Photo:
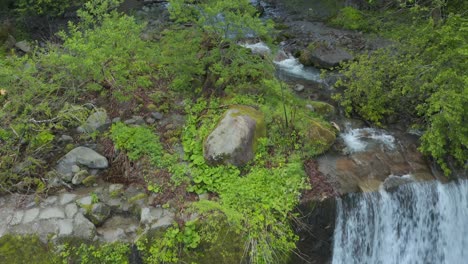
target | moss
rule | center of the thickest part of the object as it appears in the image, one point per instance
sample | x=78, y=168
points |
x=90, y=180
x=318, y=136
x=25, y=249
x=323, y=108
x=214, y=247
x=137, y=197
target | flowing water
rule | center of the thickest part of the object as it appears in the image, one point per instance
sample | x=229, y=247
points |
x=418, y=223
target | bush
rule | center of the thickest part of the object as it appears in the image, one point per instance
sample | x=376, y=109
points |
x=351, y=18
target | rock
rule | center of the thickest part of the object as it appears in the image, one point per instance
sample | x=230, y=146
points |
x=319, y=136
x=394, y=181
x=65, y=227
x=233, y=140
x=71, y=210
x=75, y=168
x=99, y=213
x=98, y=121
x=150, y=215
x=322, y=108
x=324, y=56
x=310, y=107
x=67, y=198
x=87, y=200
x=80, y=156
x=79, y=177
x=23, y=46
x=83, y=228
x=115, y=190
x=298, y=88
x=66, y=139
x=165, y=221
x=116, y=119
x=52, y=212
x=157, y=115
x=150, y=120
x=135, y=120
x=30, y=215
x=10, y=42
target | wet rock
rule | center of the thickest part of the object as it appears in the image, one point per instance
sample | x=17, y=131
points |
x=98, y=121
x=394, y=181
x=80, y=156
x=233, y=140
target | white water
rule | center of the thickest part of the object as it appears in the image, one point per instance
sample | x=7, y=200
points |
x=357, y=140
x=257, y=48
x=286, y=62
x=423, y=223
x=293, y=67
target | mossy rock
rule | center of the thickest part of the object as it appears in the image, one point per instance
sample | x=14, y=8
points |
x=319, y=136
x=89, y=181
x=305, y=55
x=323, y=108
x=234, y=140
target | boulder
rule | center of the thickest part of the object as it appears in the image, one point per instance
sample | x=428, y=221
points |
x=319, y=136
x=98, y=121
x=324, y=56
x=234, y=139
x=80, y=156
x=98, y=213
x=23, y=46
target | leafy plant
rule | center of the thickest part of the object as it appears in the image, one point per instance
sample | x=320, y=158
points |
x=413, y=81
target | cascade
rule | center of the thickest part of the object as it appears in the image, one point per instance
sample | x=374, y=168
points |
x=416, y=223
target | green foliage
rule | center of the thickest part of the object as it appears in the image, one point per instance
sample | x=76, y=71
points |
x=420, y=80
x=25, y=249
x=106, y=253
x=351, y=18
x=104, y=53
x=46, y=7
x=206, y=57
x=166, y=249
x=137, y=142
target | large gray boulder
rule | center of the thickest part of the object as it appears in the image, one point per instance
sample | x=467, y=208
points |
x=324, y=56
x=233, y=141
x=80, y=156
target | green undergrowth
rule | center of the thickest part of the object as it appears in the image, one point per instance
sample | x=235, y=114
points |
x=412, y=81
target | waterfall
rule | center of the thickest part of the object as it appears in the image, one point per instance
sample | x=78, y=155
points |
x=417, y=223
